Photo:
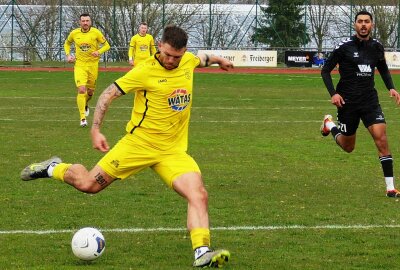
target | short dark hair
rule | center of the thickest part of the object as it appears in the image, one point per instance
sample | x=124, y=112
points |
x=174, y=36
x=363, y=12
x=84, y=15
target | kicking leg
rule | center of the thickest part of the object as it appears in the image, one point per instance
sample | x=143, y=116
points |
x=191, y=187
x=75, y=175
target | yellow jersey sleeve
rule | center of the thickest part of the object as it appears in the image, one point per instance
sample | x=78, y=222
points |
x=152, y=46
x=131, y=48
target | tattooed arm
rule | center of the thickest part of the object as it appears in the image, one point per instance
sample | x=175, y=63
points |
x=99, y=141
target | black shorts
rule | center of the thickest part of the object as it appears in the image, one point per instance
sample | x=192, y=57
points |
x=349, y=117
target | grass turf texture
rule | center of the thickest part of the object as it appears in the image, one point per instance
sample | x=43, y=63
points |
x=256, y=139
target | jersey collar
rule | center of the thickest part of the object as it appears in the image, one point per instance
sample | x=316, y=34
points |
x=87, y=30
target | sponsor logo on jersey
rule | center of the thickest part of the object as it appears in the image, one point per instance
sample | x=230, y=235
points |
x=84, y=47
x=355, y=55
x=365, y=68
x=143, y=48
x=179, y=99
x=365, y=71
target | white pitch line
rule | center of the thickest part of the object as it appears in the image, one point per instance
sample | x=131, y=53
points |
x=327, y=101
x=197, y=98
x=192, y=121
x=230, y=228
x=194, y=108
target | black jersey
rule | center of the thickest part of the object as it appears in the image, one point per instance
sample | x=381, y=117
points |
x=357, y=61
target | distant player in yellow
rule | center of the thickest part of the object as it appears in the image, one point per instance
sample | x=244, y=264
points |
x=141, y=46
x=89, y=44
x=156, y=137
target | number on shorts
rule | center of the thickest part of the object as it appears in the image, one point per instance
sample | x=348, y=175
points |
x=342, y=127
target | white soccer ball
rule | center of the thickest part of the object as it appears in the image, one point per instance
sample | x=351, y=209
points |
x=88, y=244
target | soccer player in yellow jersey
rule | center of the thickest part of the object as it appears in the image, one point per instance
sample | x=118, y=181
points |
x=87, y=41
x=156, y=137
x=141, y=46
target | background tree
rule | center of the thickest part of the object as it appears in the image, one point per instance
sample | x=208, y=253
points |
x=37, y=31
x=120, y=20
x=385, y=15
x=282, y=24
x=385, y=19
x=320, y=17
x=215, y=28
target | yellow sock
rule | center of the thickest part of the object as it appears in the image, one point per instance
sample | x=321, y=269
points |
x=87, y=97
x=59, y=171
x=200, y=237
x=81, y=102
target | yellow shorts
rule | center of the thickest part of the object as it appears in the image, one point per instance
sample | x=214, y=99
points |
x=129, y=156
x=86, y=75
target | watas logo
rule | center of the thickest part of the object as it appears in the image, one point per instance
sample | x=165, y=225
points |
x=85, y=47
x=179, y=99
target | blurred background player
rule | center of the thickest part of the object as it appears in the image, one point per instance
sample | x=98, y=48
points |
x=156, y=137
x=89, y=44
x=141, y=46
x=356, y=97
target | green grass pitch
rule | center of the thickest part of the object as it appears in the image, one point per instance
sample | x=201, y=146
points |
x=281, y=196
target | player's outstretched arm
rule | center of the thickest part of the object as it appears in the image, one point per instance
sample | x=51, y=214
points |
x=207, y=60
x=99, y=141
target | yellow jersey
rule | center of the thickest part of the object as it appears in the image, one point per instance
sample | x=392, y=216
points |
x=162, y=102
x=85, y=44
x=141, y=47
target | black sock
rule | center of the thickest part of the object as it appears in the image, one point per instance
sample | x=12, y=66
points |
x=387, y=165
x=335, y=132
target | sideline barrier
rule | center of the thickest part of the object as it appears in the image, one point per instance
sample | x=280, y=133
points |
x=247, y=58
x=393, y=60
x=304, y=58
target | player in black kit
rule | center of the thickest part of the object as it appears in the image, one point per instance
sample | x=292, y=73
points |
x=356, y=97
